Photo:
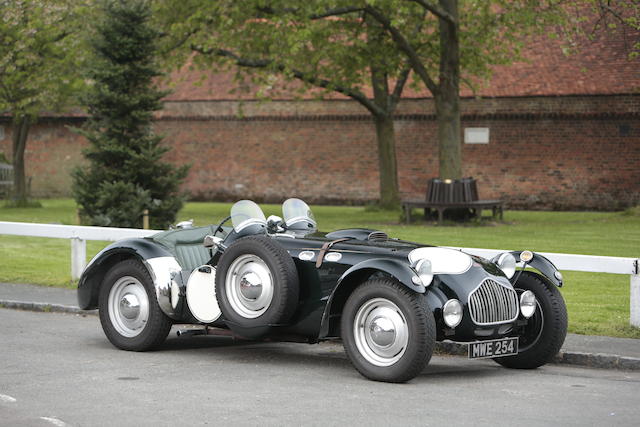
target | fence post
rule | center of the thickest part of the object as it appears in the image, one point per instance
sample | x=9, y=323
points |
x=78, y=257
x=634, y=296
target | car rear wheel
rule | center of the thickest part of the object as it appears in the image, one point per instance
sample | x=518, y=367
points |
x=543, y=336
x=388, y=331
x=129, y=312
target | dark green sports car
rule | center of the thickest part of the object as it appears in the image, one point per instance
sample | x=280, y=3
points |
x=389, y=300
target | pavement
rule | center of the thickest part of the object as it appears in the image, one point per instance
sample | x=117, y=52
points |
x=59, y=369
x=580, y=350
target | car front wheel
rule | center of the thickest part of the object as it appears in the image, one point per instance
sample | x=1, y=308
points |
x=388, y=331
x=129, y=312
x=543, y=336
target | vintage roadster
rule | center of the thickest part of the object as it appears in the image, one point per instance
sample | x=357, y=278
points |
x=389, y=300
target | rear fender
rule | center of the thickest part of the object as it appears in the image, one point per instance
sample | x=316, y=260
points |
x=354, y=276
x=161, y=265
x=543, y=266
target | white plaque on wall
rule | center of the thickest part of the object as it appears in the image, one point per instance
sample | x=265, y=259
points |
x=476, y=135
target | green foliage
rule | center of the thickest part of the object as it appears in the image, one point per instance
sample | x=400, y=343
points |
x=126, y=173
x=297, y=35
x=39, y=52
x=590, y=19
x=40, y=49
x=284, y=36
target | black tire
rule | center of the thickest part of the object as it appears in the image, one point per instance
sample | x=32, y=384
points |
x=545, y=331
x=144, y=332
x=408, y=359
x=241, y=316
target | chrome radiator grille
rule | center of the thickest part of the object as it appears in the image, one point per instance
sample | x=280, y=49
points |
x=492, y=303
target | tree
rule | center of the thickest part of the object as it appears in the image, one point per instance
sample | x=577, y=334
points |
x=473, y=35
x=445, y=42
x=39, y=52
x=335, y=50
x=610, y=16
x=126, y=173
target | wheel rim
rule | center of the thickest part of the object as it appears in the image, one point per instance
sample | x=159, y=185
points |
x=128, y=306
x=249, y=286
x=381, y=332
x=533, y=329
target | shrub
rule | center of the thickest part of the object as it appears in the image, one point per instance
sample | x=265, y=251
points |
x=126, y=173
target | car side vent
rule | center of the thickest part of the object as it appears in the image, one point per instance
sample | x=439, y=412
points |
x=378, y=236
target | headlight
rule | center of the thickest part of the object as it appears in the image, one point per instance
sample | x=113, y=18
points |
x=423, y=268
x=507, y=264
x=452, y=313
x=527, y=304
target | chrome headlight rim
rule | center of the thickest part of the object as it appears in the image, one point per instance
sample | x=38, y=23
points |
x=528, y=304
x=452, y=313
x=507, y=263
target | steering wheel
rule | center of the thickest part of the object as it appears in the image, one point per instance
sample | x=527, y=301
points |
x=219, y=227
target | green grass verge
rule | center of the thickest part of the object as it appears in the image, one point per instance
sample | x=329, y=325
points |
x=598, y=303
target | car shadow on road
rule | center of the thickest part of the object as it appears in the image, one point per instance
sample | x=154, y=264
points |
x=278, y=354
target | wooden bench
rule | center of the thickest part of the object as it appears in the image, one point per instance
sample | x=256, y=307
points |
x=6, y=178
x=452, y=194
x=477, y=206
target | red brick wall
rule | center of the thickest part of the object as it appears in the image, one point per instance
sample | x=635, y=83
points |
x=51, y=153
x=544, y=152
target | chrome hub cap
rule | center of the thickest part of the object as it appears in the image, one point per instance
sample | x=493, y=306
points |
x=381, y=332
x=128, y=306
x=249, y=286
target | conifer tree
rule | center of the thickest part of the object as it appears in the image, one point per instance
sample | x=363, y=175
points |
x=126, y=173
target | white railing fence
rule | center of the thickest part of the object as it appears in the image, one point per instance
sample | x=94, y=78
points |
x=80, y=234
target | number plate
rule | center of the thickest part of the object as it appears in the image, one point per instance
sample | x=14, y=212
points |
x=493, y=348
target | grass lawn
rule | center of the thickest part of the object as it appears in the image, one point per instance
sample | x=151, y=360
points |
x=598, y=303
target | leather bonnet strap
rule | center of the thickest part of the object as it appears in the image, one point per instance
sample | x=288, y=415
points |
x=325, y=248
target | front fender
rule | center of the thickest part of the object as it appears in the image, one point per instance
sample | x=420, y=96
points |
x=355, y=275
x=158, y=261
x=544, y=266
x=398, y=269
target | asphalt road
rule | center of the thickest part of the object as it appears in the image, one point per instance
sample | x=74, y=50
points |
x=59, y=369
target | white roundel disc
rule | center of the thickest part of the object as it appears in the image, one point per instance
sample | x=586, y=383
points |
x=201, y=295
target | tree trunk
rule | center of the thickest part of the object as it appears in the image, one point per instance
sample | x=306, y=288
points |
x=21, y=126
x=448, y=97
x=449, y=143
x=385, y=133
x=387, y=164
